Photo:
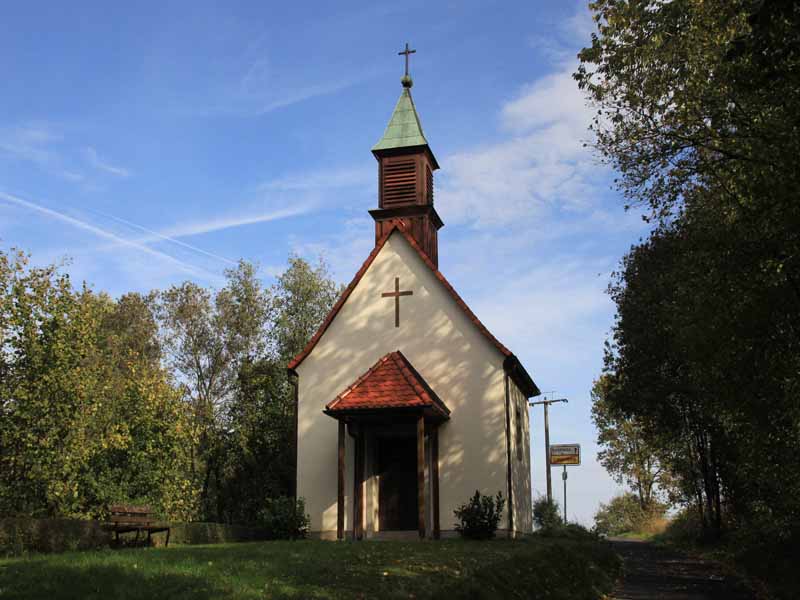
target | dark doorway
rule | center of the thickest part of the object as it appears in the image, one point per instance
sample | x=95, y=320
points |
x=397, y=493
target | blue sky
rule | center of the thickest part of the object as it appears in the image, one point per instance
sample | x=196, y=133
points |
x=156, y=142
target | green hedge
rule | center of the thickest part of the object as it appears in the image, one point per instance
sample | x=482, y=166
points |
x=212, y=533
x=21, y=535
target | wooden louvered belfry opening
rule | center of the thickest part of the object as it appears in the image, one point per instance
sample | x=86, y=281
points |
x=405, y=179
x=406, y=195
x=429, y=184
x=399, y=182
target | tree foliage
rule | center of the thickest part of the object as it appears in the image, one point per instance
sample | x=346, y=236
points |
x=626, y=450
x=547, y=514
x=698, y=110
x=177, y=399
x=625, y=514
x=87, y=416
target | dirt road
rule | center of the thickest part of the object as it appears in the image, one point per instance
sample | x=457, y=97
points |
x=656, y=573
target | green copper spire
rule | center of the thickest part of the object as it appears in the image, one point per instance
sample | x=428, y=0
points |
x=404, y=129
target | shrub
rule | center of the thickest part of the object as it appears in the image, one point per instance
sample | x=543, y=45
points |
x=569, y=531
x=624, y=514
x=546, y=513
x=284, y=518
x=479, y=518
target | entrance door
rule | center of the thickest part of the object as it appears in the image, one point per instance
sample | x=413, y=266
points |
x=397, y=493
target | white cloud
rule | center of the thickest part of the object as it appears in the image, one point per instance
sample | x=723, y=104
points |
x=95, y=161
x=344, y=251
x=554, y=98
x=34, y=143
x=541, y=171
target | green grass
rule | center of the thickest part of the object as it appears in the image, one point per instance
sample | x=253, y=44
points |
x=552, y=569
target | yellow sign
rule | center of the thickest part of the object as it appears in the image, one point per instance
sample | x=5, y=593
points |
x=565, y=454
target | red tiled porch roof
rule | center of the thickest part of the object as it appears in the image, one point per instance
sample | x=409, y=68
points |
x=392, y=382
x=511, y=364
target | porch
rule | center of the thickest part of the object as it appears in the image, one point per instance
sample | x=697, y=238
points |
x=393, y=418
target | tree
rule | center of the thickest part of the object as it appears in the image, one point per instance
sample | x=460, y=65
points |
x=303, y=296
x=261, y=437
x=209, y=337
x=87, y=416
x=626, y=451
x=697, y=110
x=694, y=95
x=231, y=348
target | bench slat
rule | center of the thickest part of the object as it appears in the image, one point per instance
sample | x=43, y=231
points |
x=131, y=519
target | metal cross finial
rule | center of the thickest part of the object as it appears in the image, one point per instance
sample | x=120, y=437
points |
x=406, y=52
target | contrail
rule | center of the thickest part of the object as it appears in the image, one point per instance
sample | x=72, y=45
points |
x=105, y=234
x=165, y=238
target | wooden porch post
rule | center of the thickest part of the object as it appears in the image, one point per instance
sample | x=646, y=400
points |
x=435, y=481
x=421, y=474
x=358, y=478
x=340, y=497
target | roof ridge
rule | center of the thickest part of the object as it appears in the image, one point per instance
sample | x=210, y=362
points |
x=392, y=382
x=405, y=370
x=359, y=380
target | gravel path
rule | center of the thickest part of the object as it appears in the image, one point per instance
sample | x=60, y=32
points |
x=654, y=573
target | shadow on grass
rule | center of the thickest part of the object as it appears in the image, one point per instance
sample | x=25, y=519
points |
x=50, y=582
x=386, y=571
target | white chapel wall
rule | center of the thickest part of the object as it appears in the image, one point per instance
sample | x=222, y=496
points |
x=458, y=362
x=520, y=460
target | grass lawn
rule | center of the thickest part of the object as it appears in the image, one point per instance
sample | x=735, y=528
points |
x=538, y=568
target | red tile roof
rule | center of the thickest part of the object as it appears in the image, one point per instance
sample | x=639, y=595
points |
x=512, y=365
x=392, y=382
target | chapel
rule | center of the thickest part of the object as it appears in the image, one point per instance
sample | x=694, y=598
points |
x=405, y=402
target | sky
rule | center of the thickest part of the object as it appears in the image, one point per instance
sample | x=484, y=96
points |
x=151, y=143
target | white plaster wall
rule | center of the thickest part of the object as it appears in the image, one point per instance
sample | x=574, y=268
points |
x=520, y=468
x=458, y=362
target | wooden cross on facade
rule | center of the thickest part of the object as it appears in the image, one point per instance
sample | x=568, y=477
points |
x=406, y=52
x=396, y=295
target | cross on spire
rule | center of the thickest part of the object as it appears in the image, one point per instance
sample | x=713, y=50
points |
x=406, y=52
x=396, y=295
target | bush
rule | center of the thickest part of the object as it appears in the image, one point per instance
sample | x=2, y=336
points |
x=284, y=518
x=624, y=514
x=479, y=518
x=570, y=531
x=546, y=513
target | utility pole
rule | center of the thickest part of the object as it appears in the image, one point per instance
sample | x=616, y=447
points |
x=546, y=403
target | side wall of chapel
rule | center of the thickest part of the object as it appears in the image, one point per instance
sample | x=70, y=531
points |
x=520, y=459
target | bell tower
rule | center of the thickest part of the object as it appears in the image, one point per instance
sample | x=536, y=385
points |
x=405, y=175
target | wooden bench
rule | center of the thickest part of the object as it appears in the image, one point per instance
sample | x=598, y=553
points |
x=126, y=519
